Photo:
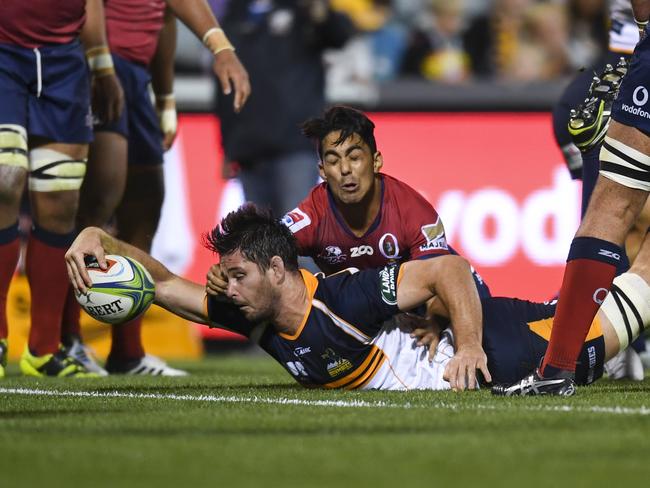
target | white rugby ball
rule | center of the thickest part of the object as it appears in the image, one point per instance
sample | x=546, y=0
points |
x=119, y=293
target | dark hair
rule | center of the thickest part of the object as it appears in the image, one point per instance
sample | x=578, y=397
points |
x=257, y=235
x=340, y=118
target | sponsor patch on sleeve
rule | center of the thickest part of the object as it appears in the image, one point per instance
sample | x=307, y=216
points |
x=296, y=220
x=435, y=236
x=388, y=283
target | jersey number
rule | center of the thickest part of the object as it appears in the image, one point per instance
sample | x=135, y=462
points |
x=355, y=252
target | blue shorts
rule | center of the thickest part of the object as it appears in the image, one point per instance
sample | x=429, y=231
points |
x=514, y=347
x=46, y=91
x=138, y=122
x=632, y=106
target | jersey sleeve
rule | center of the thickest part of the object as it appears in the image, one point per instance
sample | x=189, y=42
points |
x=225, y=315
x=302, y=221
x=364, y=299
x=425, y=232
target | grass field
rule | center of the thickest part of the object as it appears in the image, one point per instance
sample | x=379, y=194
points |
x=241, y=421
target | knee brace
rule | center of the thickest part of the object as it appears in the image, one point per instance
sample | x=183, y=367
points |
x=13, y=145
x=627, y=307
x=624, y=165
x=54, y=171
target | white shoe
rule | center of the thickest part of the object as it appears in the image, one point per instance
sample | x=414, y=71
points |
x=625, y=365
x=147, y=365
x=86, y=356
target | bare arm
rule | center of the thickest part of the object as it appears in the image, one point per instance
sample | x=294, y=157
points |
x=449, y=278
x=197, y=15
x=107, y=98
x=162, y=79
x=174, y=293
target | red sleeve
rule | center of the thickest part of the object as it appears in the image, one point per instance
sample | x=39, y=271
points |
x=423, y=229
x=302, y=221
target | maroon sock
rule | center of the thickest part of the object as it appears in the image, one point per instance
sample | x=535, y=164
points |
x=70, y=324
x=587, y=278
x=48, y=282
x=127, y=341
x=9, y=253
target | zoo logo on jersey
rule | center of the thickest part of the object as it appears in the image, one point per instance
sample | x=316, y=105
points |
x=296, y=220
x=435, y=236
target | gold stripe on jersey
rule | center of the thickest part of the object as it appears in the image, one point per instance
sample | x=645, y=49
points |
x=363, y=374
x=311, y=282
x=543, y=328
x=346, y=327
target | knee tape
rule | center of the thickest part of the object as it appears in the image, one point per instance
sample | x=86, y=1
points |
x=13, y=145
x=624, y=165
x=54, y=171
x=627, y=307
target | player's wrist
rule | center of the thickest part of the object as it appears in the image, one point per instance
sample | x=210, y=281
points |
x=641, y=25
x=100, y=61
x=166, y=101
x=216, y=41
x=167, y=116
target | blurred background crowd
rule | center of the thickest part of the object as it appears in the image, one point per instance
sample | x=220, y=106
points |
x=446, y=42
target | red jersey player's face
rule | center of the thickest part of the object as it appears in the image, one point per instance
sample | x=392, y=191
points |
x=349, y=168
x=248, y=287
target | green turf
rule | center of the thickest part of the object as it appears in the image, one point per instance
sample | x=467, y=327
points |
x=396, y=439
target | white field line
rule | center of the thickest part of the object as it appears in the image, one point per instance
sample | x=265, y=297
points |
x=617, y=410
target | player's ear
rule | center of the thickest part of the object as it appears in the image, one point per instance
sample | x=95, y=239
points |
x=321, y=171
x=378, y=162
x=277, y=269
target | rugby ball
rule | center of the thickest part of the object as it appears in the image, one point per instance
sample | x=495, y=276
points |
x=121, y=292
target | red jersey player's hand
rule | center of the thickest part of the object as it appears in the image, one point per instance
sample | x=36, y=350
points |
x=231, y=73
x=461, y=369
x=107, y=97
x=217, y=283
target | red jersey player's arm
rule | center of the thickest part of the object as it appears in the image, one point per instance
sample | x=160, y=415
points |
x=107, y=97
x=162, y=79
x=447, y=278
x=197, y=15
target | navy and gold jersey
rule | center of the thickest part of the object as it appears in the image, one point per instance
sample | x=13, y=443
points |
x=346, y=339
x=515, y=336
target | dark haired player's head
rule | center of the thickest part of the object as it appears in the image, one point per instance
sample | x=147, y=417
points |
x=345, y=120
x=257, y=235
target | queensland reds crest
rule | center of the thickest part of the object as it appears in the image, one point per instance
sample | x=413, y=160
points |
x=389, y=246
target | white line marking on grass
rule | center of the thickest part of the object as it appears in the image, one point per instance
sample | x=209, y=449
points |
x=616, y=410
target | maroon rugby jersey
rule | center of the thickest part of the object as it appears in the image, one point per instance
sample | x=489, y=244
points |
x=34, y=23
x=407, y=227
x=133, y=27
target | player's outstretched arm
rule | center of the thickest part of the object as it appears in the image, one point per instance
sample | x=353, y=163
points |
x=449, y=278
x=174, y=293
x=197, y=15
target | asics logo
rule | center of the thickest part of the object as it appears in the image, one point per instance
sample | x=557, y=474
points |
x=610, y=254
x=640, y=96
x=600, y=292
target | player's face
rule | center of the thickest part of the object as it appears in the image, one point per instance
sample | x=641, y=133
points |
x=349, y=168
x=249, y=287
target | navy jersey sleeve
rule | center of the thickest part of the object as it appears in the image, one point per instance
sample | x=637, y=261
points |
x=364, y=299
x=225, y=315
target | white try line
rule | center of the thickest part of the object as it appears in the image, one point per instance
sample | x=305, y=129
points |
x=643, y=410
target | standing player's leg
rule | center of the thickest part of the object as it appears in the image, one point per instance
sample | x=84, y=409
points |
x=101, y=192
x=57, y=170
x=13, y=173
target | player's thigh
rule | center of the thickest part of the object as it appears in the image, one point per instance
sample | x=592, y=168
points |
x=56, y=173
x=138, y=213
x=105, y=181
